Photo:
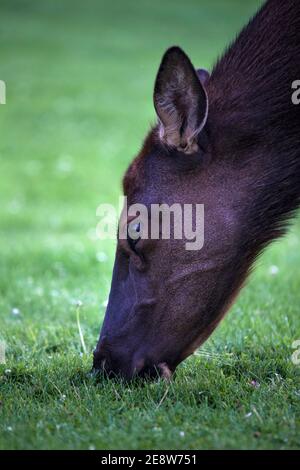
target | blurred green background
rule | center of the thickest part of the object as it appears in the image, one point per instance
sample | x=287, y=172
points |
x=79, y=79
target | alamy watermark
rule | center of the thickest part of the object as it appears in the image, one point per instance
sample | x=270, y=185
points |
x=2, y=92
x=296, y=354
x=296, y=93
x=156, y=221
x=2, y=352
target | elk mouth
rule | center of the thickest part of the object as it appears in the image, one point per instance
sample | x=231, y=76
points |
x=121, y=363
x=162, y=370
x=165, y=370
x=141, y=370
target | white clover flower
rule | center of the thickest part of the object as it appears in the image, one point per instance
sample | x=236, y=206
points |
x=274, y=270
x=101, y=257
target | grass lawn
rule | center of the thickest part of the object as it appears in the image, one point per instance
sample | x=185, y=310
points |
x=79, y=79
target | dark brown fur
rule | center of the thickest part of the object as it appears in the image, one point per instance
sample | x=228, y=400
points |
x=246, y=171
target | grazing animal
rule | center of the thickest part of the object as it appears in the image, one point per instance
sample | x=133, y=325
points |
x=230, y=141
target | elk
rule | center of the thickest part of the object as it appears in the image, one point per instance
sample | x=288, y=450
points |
x=230, y=141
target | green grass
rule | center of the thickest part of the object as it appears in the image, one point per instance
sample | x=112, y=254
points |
x=79, y=79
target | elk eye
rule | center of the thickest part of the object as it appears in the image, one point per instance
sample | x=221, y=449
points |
x=133, y=234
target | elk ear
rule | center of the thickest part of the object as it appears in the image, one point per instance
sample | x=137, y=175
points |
x=180, y=101
x=203, y=76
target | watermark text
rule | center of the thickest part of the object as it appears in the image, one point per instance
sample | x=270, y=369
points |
x=2, y=352
x=2, y=92
x=296, y=93
x=154, y=222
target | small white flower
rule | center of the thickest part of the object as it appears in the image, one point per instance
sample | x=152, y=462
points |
x=255, y=384
x=248, y=415
x=274, y=270
x=9, y=428
x=182, y=434
x=54, y=293
x=63, y=397
x=79, y=303
x=15, y=311
x=39, y=291
x=64, y=164
x=7, y=371
x=101, y=257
